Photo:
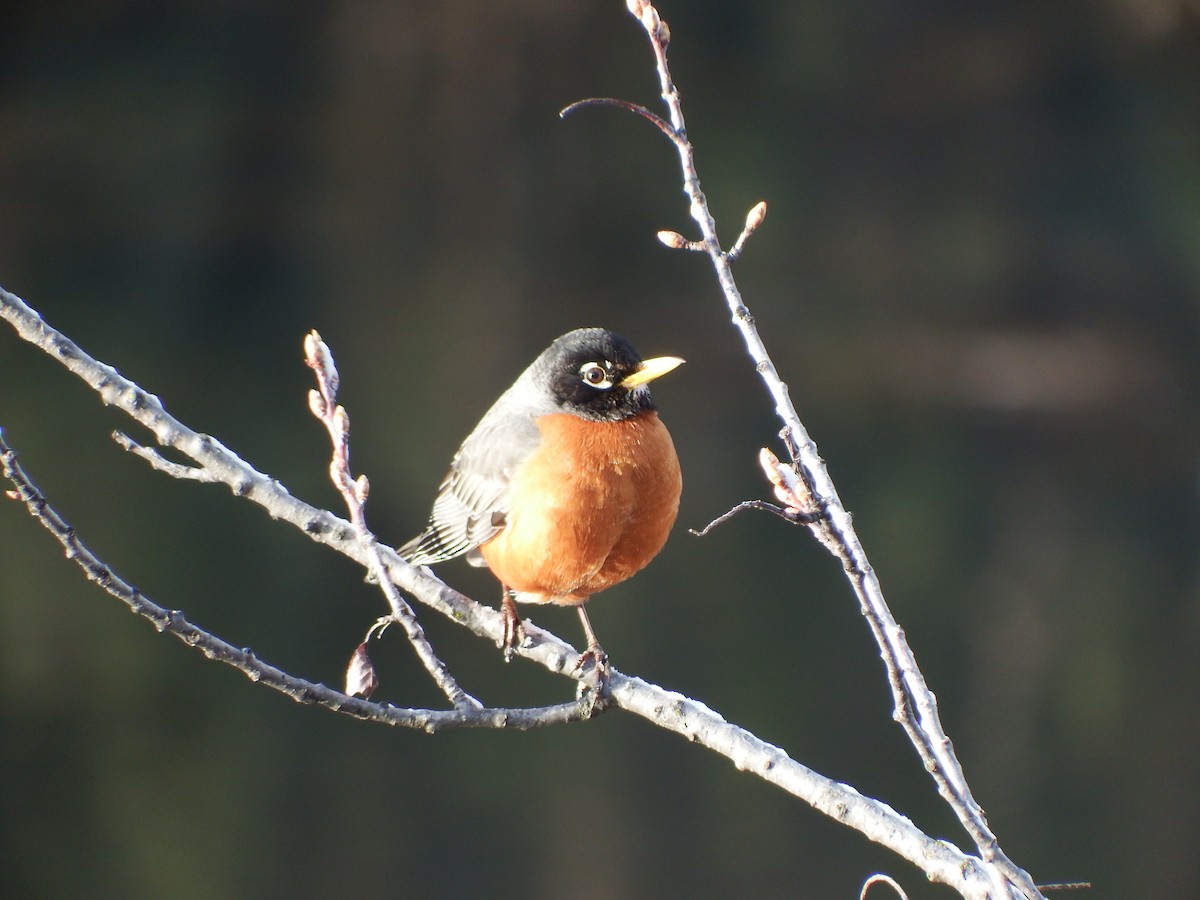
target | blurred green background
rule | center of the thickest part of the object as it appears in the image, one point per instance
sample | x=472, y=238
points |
x=979, y=275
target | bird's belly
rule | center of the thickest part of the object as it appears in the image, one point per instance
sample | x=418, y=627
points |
x=585, y=520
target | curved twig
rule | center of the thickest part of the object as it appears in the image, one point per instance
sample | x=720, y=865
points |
x=660, y=123
x=788, y=515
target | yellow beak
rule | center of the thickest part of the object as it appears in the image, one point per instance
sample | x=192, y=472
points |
x=651, y=369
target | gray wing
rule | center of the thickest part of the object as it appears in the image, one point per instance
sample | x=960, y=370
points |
x=472, y=501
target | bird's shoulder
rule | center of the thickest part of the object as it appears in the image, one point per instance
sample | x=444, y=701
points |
x=472, y=500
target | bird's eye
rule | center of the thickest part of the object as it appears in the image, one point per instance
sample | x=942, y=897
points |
x=595, y=375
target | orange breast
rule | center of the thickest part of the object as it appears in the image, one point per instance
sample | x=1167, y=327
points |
x=591, y=506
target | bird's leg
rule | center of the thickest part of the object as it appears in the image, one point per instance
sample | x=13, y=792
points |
x=594, y=651
x=513, y=632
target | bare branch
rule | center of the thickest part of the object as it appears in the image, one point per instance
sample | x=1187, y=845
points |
x=991, y=875
x=940, y=861
x=323, y=403
x=243, y=659
x=915, y=704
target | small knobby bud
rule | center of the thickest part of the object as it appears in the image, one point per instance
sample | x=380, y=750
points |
x=316, y=403
x=13, y=495
x=318, y=356
x=361, y=679
x=788, y=489
x=664, y=33
x=673, y=239
x=341, y=421
x=362, y=487
x=636, y=6
x=650, y=20
x=311, y=341
x=755, y=217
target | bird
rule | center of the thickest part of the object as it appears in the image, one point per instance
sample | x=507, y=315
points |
x=568, y=485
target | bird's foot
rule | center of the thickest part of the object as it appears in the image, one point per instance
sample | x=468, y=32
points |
x=595, y=655
x=514, y=633
x=593, y=686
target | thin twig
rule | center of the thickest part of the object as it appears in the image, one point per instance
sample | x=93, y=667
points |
x=1066, y=886
x=636, y=108
x=160, y=463
x=915, y=704
x=323, y=404
x=790, y=515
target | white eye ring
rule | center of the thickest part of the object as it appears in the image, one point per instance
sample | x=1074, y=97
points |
x=594, y=375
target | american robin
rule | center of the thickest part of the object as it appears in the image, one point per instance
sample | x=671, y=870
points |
x=568, y=485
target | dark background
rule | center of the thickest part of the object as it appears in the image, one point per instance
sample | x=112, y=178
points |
x=979, y=276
